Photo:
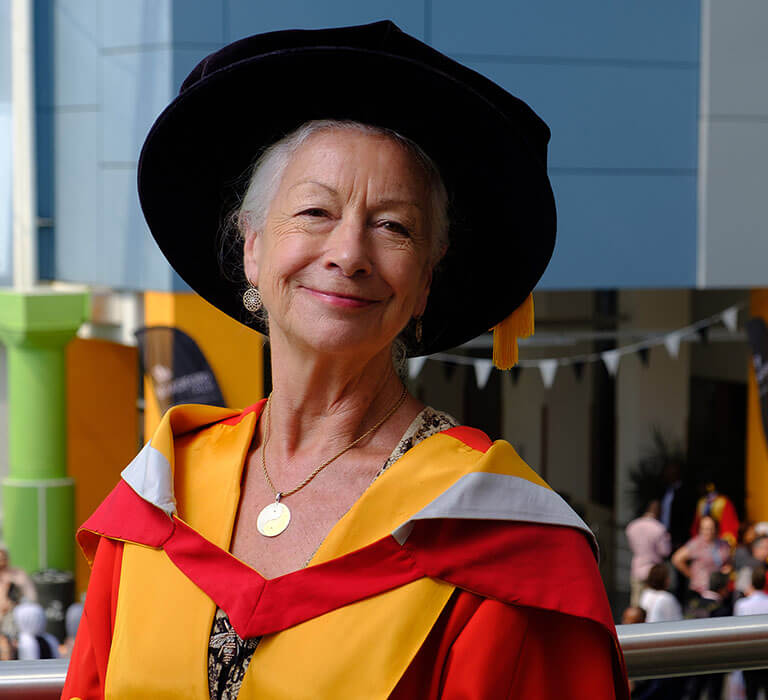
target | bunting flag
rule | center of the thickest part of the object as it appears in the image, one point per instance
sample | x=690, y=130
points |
x=414, y=366
x=731, y=318
x=482, y=372
x=672, y=343
x=611, y=359
x=548, y=369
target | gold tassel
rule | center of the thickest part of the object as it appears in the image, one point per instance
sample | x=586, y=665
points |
x=519, y=324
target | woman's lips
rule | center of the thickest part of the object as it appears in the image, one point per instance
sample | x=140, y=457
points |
x=341, y=300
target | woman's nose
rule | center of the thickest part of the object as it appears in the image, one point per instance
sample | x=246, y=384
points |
x=348, y=248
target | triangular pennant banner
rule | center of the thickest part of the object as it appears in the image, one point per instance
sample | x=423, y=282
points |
x=645, y=356
x=482, y=372
x=703, y=334
x=414, y=366
x=672, y=343
x=548, y=369
x=611, y=359
x=731, y=318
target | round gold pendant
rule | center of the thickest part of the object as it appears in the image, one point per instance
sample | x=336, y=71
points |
x=273, y=519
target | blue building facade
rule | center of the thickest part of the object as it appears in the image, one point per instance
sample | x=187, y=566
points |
x=617, y=83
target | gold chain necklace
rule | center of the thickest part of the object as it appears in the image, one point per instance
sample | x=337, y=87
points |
x=275, y=517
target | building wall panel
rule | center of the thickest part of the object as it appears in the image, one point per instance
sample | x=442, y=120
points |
x=551, y=29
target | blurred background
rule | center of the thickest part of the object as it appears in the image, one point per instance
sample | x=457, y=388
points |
x=642, y=356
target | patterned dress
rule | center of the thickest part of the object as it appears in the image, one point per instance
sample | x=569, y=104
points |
x=228, y=654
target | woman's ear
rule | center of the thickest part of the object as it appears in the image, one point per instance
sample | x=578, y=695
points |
x=252, y=257
x=421, y=303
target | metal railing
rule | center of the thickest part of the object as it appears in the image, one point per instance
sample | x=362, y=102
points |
x=658, y=650
x=684, y=648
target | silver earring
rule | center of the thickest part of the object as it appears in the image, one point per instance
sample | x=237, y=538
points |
x=418, y=330
x=252, y=299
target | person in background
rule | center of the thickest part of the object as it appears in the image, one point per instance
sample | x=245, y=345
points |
x=714, y=602
x=14, y=583
x=702, y=555
x=7, y=649
x=33, y=641
x=71, y=622
x=659, y=604
x=756, y=603
x=650, y=544
x=678, y=503
x=721, y=509
x=633, y=615
x=757, y=556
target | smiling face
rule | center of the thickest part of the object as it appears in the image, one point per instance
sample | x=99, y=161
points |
x=343, y=261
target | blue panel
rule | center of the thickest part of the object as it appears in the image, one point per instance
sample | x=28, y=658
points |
x=623, y=232
x=248, y=17
x=136, y=88
x=609, y=116
x=6, y=226
x=80, y=249
x=184, y=60
x=5, y=50
x=137, y=262
x=132, y=23
x=198, y=21
x=77, y=40
x=587, y=29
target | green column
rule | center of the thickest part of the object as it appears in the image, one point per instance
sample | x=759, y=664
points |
x=38, y=496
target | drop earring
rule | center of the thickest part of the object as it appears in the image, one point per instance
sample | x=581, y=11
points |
x=418, y=330
x=252, y=299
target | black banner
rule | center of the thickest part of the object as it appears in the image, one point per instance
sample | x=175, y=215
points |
x=758, y=339
x=177, y=368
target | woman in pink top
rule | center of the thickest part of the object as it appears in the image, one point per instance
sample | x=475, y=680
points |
x=702, y=555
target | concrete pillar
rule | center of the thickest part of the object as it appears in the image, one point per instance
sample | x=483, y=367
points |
x=38, y=495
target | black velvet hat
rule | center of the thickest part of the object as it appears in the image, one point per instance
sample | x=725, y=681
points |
x=489, y=146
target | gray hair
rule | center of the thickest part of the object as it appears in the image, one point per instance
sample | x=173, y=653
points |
x=268, y=172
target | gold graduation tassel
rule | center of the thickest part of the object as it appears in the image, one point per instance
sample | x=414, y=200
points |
x=519, y=324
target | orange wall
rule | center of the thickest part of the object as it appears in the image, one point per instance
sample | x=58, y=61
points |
x=757, y=451
x=102, y=432
x=233, y=351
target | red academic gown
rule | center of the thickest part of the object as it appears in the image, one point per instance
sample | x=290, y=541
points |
x=527, y=616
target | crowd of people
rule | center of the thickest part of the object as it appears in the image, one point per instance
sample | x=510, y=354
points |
x=23, y=634
x=692, y=559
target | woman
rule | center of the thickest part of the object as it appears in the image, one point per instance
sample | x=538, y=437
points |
x=702, y=555
x=659, y=604
x=33, y=641
x=341, y=539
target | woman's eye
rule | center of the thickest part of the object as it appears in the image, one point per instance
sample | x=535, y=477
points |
x=314, y=212
x=395, y=226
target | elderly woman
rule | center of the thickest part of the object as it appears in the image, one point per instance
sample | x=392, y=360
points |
x=341, y=539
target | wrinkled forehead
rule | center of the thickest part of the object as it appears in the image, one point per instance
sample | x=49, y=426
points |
x=347, y=159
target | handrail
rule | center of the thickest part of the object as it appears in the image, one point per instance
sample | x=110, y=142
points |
x=32, y=680
x=712, y=645
x=656, y=650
